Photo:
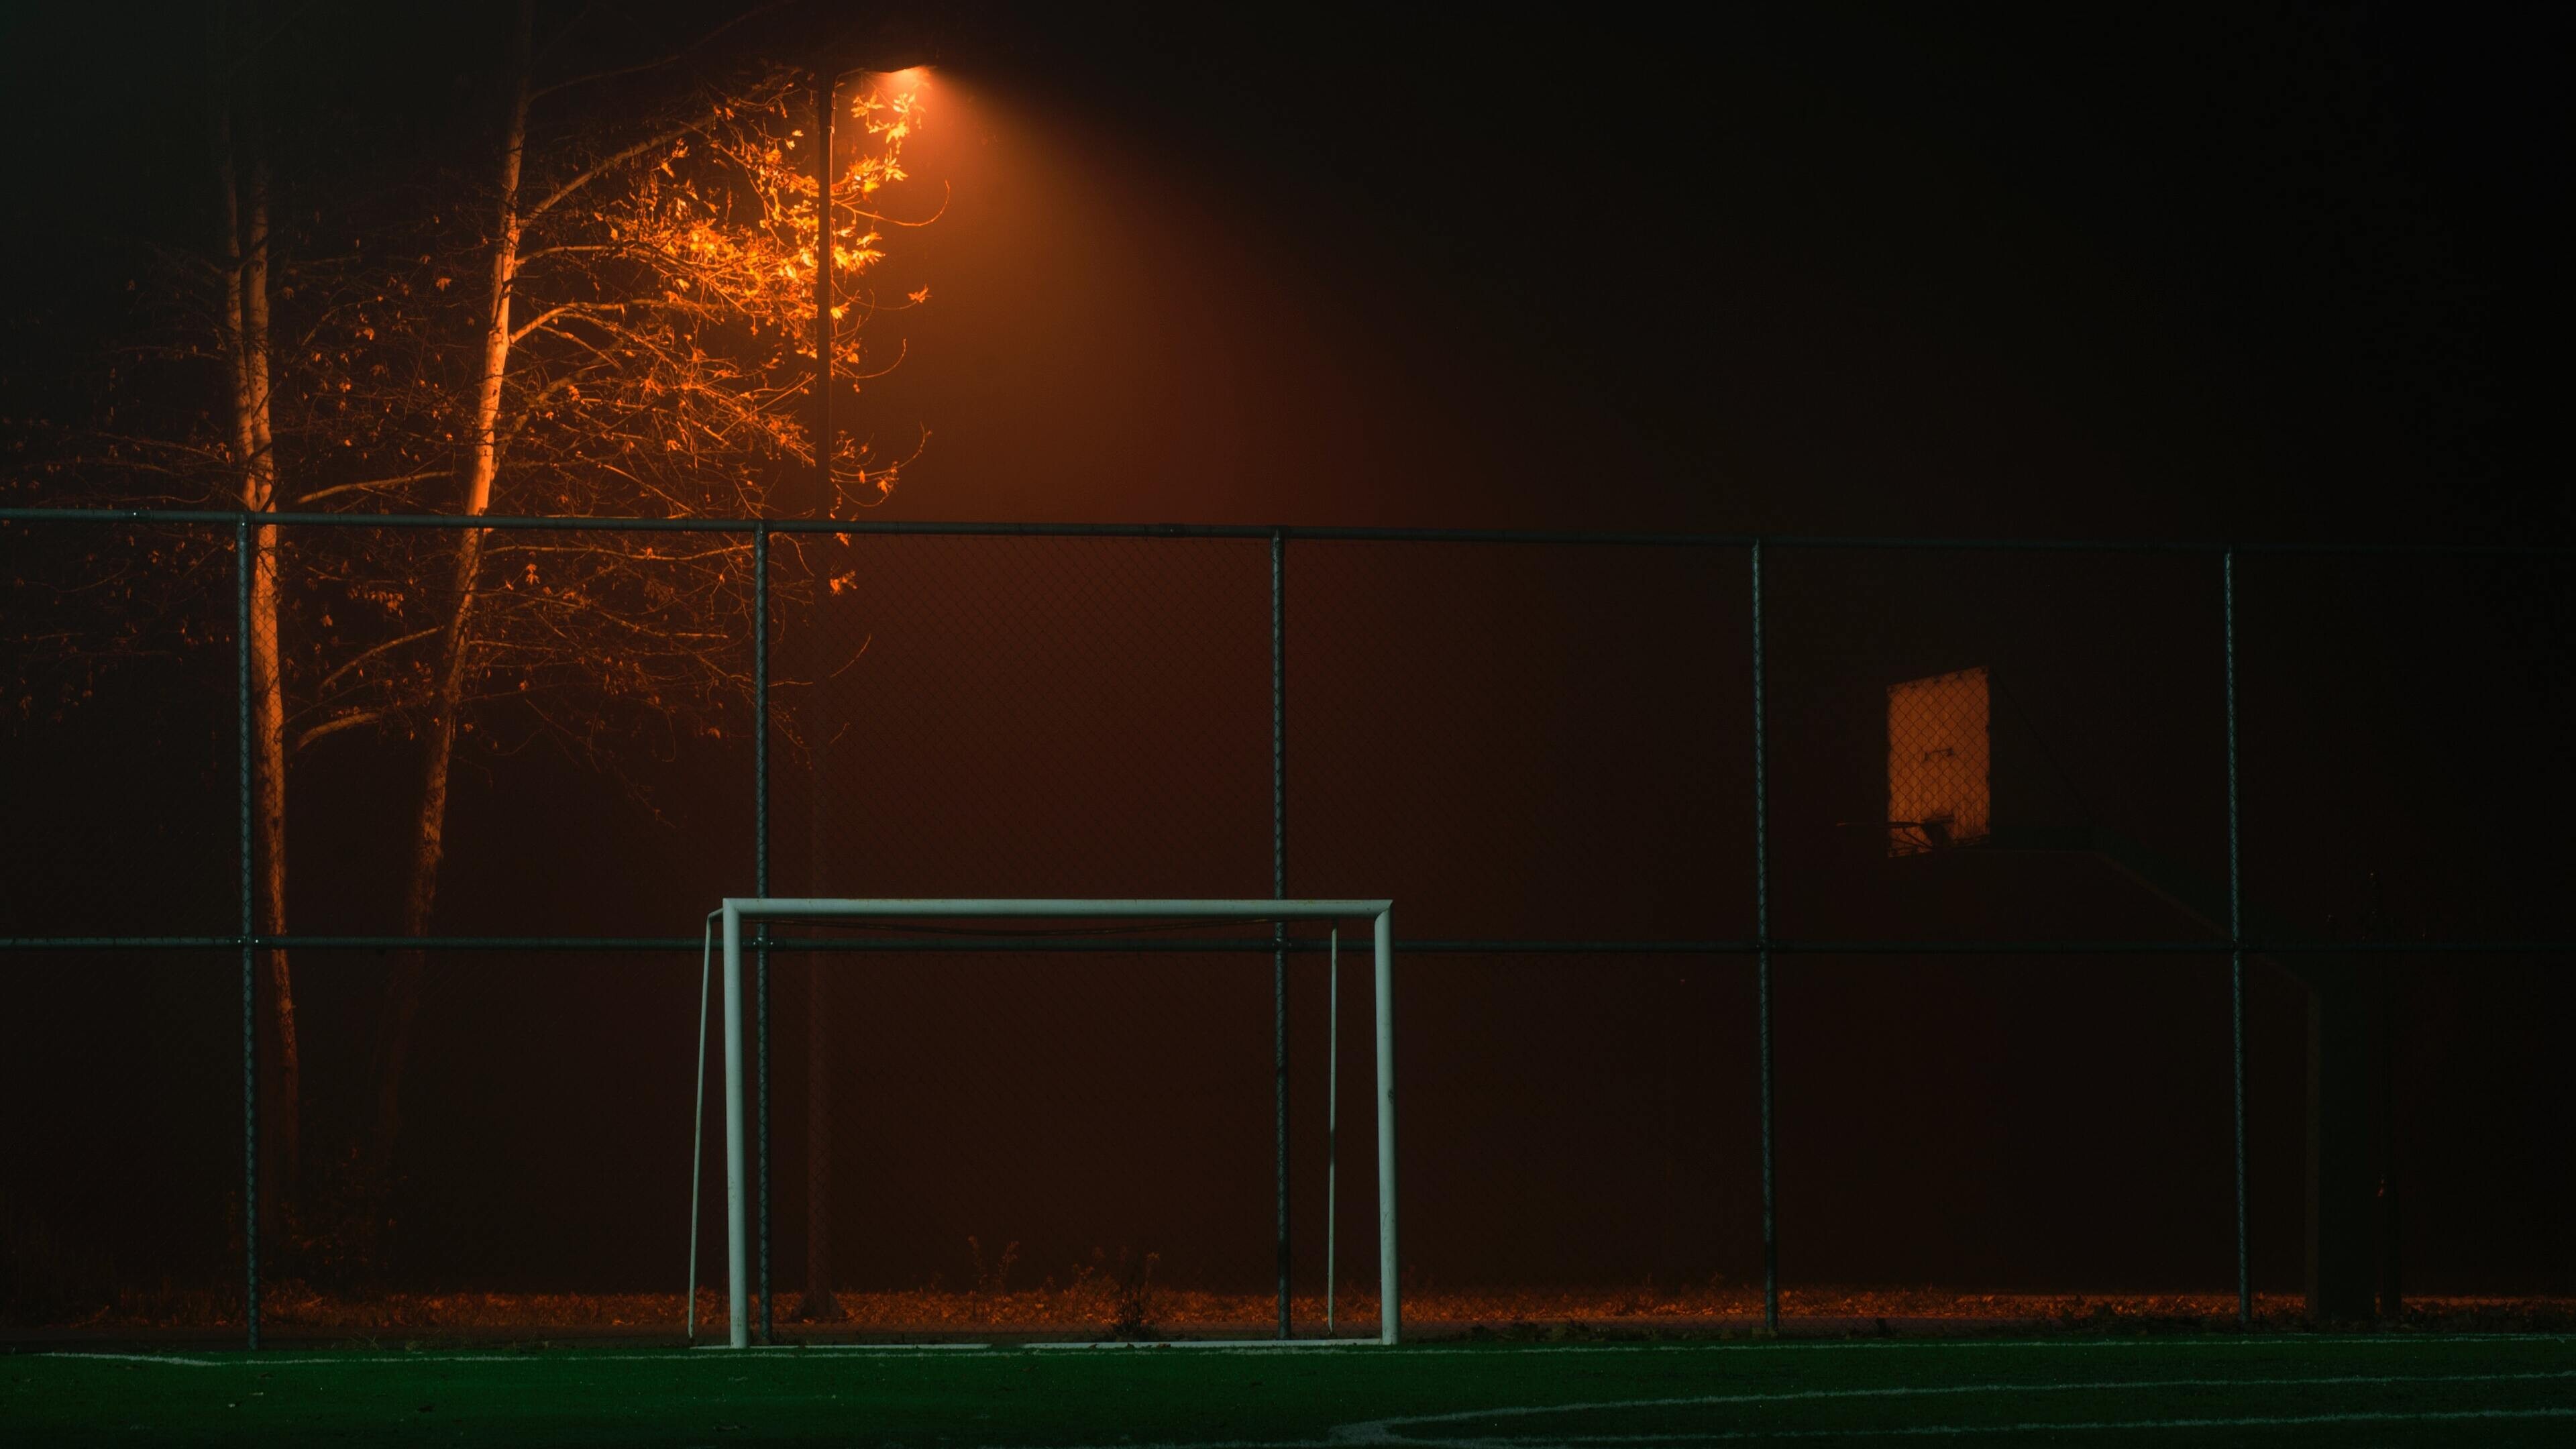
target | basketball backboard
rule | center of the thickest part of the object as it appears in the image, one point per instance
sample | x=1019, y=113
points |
x=1939, y=791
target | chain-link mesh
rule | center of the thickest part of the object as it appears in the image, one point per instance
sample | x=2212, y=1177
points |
x=2404, y=765
x=1024, y=1141
x=121, y=1201
x=1580, y=1141
x=1523, y=742
x=2473, y=1183
x=1545, y=748
x=523, y=1171
x=1982, y=745
x=1024, y=716
x=1013, y=1140
x=1960, y=1129
x=2405, y=754
x=598, y=777
x=130, y=830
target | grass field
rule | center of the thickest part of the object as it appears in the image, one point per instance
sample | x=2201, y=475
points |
x=2268, y=1390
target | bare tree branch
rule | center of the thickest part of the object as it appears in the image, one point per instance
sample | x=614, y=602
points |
x=373, y=483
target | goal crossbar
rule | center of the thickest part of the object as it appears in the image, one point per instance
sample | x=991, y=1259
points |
x=1381, y=914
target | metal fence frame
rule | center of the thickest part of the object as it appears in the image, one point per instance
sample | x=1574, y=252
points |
x=1761, y=947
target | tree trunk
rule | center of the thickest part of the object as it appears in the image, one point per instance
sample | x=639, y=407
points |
x=246, y=328
x=456, y=642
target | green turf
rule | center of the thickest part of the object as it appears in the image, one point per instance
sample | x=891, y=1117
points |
x=2289, y=1390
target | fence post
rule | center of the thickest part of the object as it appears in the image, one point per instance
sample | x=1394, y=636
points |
x=249, y=928
x=1279, y=891
x=760, y=875
x=1390, y=1328
x=2236, y=940
x=1762, y=962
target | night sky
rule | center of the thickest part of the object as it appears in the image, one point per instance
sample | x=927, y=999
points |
x=2250, y=271
x=2289, y=274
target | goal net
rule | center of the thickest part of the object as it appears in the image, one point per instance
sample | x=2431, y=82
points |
x=745, y=923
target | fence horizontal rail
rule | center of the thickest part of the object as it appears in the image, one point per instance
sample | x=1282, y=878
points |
x=1262, y=944
x=900, y=527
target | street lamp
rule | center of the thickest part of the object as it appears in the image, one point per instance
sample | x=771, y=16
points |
x=827, y=92
x=817, y=1303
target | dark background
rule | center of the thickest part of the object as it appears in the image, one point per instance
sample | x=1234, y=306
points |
x=2248, y=273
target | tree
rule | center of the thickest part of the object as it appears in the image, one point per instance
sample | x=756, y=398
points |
x=642, y=328
x=198, y=412
x=244, y=281
x=612, y=317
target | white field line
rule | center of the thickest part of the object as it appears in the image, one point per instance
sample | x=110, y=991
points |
x=1213, y=1345
x=795, y=1353
x=1718, y=1436
x=551, y=1356
x=139, y=1358
x=2255, y=1421
x=1385, y=1431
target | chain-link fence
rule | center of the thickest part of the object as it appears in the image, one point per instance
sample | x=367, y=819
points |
x=1831, y=932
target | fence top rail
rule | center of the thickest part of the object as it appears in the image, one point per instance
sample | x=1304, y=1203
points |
x=899, y=527
x=1633, y=946
x=826, y=908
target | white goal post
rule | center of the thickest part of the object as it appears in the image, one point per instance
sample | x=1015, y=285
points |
x=738, y=910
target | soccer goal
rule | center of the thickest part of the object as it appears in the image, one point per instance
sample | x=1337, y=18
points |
x=737, y=911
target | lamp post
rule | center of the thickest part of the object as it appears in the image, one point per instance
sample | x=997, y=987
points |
x=817, y=1302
